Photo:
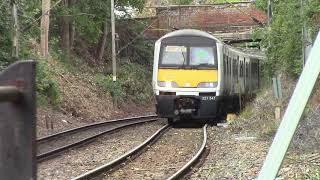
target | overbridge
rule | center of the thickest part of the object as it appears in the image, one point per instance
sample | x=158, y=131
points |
x=229, y=21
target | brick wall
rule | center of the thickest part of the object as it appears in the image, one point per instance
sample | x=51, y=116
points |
x=213, y=18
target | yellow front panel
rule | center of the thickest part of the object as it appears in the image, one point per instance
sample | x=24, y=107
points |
x=188, y=77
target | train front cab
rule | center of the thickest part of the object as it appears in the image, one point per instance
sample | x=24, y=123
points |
x=187, y=107
x=187, y=78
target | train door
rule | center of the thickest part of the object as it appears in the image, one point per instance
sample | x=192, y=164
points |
x=249, y=76
x=241, y=77
x=230, y=73
x=237, y=75
x=225, y=72
x=247, y=80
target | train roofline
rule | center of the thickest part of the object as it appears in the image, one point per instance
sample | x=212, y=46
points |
x=189, y=32
x=195, y=32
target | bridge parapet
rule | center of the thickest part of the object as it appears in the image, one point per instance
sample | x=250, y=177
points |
x=215, y=18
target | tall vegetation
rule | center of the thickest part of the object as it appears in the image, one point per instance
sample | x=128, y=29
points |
x=70, y=19
x=77, y=28
x=283, y=39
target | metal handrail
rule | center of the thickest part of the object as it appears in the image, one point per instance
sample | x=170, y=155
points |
x=10, y=94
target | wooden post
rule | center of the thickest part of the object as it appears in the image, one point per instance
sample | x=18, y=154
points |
x=277, y=88
x=45, y=28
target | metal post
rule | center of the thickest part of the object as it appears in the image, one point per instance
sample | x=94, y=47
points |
x=18, y=122
x=292, y=115
x=113, y=32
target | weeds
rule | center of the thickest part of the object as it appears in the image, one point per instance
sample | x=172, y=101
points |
x=134, y=82
x=47, y=88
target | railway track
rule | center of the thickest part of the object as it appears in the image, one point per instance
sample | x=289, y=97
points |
x=187, y=167
x=54, y=144
x=108, y=166
x=118, y=161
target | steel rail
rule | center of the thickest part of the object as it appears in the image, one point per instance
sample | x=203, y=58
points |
x=47, y=138
x=187, y=167
x=44, y=156
x=121, y=159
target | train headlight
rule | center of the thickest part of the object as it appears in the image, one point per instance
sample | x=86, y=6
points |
x=207, y=85
x=167, y=84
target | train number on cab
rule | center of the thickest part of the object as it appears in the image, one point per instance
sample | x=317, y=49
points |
x=208, y=98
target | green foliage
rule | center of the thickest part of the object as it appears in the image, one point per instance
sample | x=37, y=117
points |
x=114, y=88
x=27, y=9
x=312, y=176
x=181, y=2
x=89, y=16
x=5, y=41
x=47, y=88
x=140, y=51
x=134, y=82
x=247, y=112
x=262, y=4
x=283, y=39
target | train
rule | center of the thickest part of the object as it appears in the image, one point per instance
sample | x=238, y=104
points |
x=197, y=76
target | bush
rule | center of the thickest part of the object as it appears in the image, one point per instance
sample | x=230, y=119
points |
x=283, y=39
x=114, y=88
x=47, y=88
x=134, y=82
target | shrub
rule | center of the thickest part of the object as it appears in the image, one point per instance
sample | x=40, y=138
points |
x=134, y=82
x=47, y=88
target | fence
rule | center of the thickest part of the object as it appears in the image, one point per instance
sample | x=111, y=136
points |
x=17, y=121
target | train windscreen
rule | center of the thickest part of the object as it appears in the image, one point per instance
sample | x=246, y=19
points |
x=174, y=55
x=188, y=57
x=200, y=56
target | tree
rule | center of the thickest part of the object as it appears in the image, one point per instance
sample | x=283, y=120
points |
x=104, y=40
x=45, y=27
x=5, y=38
x=65, y=31
x=15, y=30
x=285, y=35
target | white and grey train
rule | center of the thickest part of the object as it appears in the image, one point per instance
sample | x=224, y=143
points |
x=197, y=76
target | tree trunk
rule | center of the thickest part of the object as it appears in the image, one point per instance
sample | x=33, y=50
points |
x=15, y=34
x=104, y=41
x=45, y=28
x=72, y=28
x=65, y=32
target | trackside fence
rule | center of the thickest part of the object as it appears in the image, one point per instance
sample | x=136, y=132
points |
x=17, y=121
x=292, y=115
